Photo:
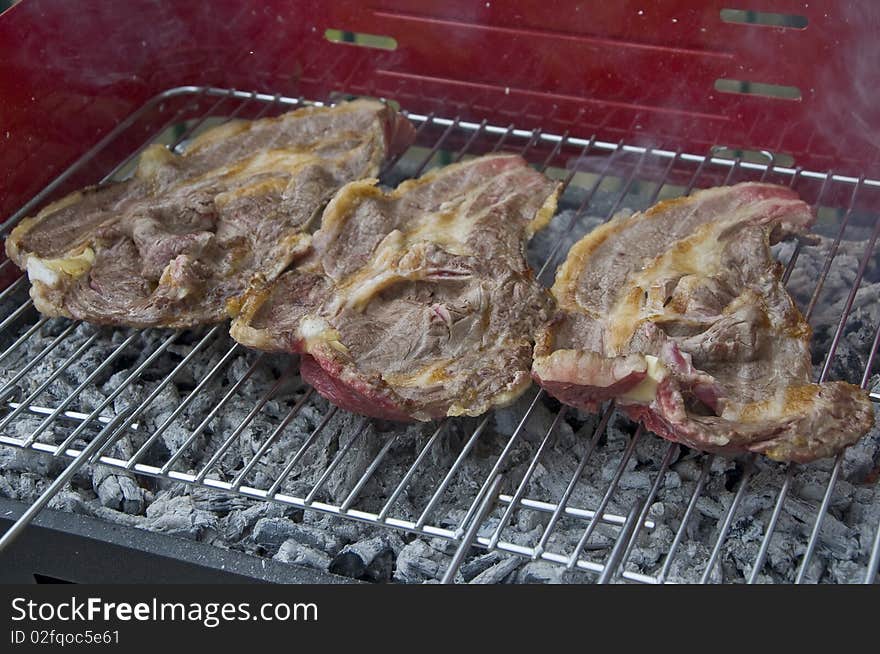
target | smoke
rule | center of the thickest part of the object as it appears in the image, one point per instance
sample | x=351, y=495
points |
x=843, y=103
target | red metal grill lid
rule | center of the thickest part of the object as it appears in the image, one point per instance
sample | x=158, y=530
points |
x=667, y=73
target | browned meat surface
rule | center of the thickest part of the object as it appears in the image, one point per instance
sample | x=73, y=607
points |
x=416, y=303
x=679, y=313
x=177, y=243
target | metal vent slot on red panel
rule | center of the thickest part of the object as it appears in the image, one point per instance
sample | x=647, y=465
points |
x=746, y=17
x=364, y=40
x=762, y=157
x=745, y=87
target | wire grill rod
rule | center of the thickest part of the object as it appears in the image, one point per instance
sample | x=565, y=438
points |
x=547, y=150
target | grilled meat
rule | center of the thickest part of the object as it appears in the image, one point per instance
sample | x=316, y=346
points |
x=680, y=315
x=173, y=245
x=416, y=303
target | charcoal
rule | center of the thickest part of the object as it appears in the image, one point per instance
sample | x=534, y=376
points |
x=530, y=521
x=846, y=572
x=272, y=532
x=542, y=572
x=443, y=545
x=544, y=242
x=815, y=570
x=753, y=504
x=118, y=491
x=179, y=516
x=672, y=480
x=174, y=436
x=508, y=419
x=635, y=479
x=834, y=534
x=783, y=555
x=6, y=488
x=295, y=552
x=657, y=510
x=31, y=463
x=419, y=562
x=479, y=564
x=369, y=560
x=649, y=450
x=343, y=530
x=118, y=517
x=73, y=502
x=70, y=501
x=690, y=562
x=499, y=572
x=234, y=526
x=30, y=485
x=651, y=547
x=711, y=508
x=218, y=503
x=688, y=469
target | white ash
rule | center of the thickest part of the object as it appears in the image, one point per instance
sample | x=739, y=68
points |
x=296, y=553
x=325, y=542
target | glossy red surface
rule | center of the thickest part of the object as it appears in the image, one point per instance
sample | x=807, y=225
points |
x=640, y=70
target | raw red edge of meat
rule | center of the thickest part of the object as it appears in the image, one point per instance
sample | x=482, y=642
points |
x=588, y=398
x=347, y=396
x=654, y=422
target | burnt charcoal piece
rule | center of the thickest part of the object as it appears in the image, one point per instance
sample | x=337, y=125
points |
x=679, y=313
x=272, y=532
x=370, y=560
x=295, y=553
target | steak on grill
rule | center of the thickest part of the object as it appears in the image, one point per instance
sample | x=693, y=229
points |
x=182, y=238
x=679, y=313
x=417, y=303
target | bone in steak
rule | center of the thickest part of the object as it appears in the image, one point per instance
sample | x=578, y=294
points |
x=417, y=303
x=679, y=313
x=182, y=238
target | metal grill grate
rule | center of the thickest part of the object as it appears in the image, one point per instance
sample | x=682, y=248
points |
x=600, y=178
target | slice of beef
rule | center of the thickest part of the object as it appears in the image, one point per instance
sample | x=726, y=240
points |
x=416, y=303
x=679, y=313
x=181, y=240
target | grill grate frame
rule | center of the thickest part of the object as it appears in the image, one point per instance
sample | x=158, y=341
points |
x=544, y=149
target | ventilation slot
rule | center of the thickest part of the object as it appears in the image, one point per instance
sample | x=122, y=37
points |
x=726, y=85
x=791, y=21
x=363, y=40
x=763, y=157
